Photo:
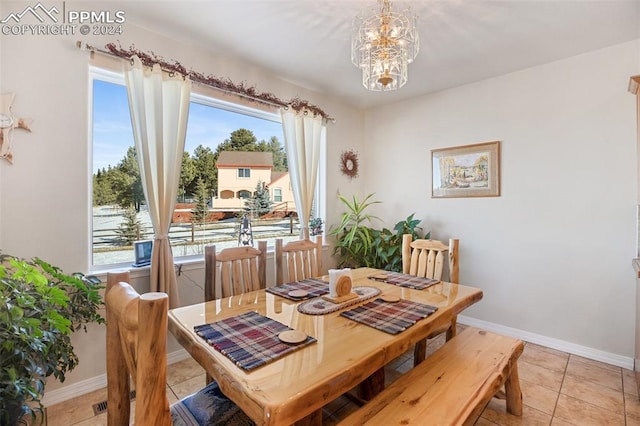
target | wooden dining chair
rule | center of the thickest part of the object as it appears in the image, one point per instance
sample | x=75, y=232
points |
x=136, y=352
x=298, y=260
x=426, y=258
x=234, y=270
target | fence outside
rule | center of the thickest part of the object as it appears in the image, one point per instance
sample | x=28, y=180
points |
x=188, y=238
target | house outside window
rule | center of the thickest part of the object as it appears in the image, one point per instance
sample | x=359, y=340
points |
x=244, y=194
x=277, y=195
x=244, y=173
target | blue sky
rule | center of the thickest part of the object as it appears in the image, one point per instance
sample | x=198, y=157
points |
x=208, y=126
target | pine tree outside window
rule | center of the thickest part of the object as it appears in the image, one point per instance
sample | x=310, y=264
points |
x=260, y=203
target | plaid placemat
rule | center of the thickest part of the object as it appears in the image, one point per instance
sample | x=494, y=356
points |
x=390, y=317
x=315, y=286
x=250, y=340
x=404, y=280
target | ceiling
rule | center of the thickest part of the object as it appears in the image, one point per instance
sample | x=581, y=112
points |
x=307, y=42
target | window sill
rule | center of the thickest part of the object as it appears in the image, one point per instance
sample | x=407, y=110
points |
x=184, y=263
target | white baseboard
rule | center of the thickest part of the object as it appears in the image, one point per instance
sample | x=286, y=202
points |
x=89, y=385
x=74, y=390
x=561, y=345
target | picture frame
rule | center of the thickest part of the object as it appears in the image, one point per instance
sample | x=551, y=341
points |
x=466, y=171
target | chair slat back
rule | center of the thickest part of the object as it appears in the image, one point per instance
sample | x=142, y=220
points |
x=426, y=258
x=300, y=259
x=241, y=270
x=136, y=349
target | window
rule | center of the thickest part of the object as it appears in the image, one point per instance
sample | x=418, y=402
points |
x=206, y=195
x=277, y=195
x=226, y=194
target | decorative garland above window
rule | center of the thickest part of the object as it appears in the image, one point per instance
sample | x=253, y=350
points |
x=223, y=84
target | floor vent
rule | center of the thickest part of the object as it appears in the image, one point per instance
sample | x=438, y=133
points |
x=101, y=406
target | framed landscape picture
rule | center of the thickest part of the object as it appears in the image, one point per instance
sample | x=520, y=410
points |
x=466, y=171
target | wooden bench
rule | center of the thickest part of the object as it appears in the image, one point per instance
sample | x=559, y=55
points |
x=452, y=386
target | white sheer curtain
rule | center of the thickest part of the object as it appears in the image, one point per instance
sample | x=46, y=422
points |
x=304, y=133
x=159, y=104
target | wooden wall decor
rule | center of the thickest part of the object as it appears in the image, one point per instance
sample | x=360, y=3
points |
x=8, y=122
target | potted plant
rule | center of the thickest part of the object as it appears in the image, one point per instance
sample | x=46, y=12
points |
x=354, y=239
x=358, y=244
x=315, y=226
x=40, y=307
x=386, y=250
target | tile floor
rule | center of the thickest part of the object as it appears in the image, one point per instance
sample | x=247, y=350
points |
x=558, y=389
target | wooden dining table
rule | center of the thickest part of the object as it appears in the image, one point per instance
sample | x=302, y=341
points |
x=294, y=388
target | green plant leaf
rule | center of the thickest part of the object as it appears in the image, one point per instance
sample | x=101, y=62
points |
x=40, y=306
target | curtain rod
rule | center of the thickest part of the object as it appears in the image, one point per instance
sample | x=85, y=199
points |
x=225, y=86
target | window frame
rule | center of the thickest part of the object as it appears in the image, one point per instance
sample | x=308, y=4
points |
x=114, y=77
x=244, y=173
x=279, y=195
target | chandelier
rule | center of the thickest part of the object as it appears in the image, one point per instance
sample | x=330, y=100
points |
x=383, y=45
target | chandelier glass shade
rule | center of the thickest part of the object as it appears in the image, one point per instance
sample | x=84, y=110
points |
x=383, y=45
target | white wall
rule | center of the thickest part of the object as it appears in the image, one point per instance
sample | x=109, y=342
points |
x=553, y=252
x=45, y=196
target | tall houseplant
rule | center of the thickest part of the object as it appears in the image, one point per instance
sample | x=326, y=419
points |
x=40, y=307
x=354, y=240
x=358, y=244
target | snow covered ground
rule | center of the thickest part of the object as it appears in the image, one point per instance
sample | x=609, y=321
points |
x=107, y=219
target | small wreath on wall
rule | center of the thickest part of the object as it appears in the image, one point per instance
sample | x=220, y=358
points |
x=349, y=163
